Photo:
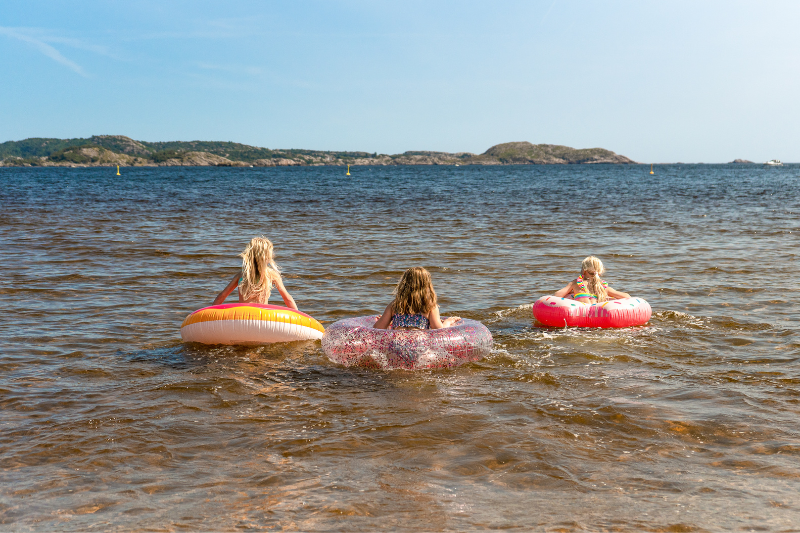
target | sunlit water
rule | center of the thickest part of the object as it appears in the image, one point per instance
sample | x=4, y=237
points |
x=690, y=423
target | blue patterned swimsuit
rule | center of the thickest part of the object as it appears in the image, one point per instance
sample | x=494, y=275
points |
x=410, y=321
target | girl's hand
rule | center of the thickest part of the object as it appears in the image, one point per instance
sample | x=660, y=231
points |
x=449, y=321
x=437, y=323
x=386, y=318
x=616, y=294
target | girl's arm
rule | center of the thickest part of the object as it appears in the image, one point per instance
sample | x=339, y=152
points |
x=437, y=322
x=227, y=290
x=617, y=294
x=386, y=318
x=287, y=298
x=566, y=291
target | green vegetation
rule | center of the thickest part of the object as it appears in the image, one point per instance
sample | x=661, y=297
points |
x=121, y=145
x=229, y=150
x=68, y=150
x=24, y=161
x=74, y=154
x=164, y=155
x=462, y=155
x=118, y=149
x=36, y=147
x=525, y=152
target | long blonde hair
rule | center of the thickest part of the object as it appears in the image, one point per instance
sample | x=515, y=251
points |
x=414, y=292
x=259, y=270
x=594, y=283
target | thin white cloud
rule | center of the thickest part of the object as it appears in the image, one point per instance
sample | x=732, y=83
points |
x=43, y=47
x=80, y=45
x=549, y=9
x=207, y=32
x=228, y=28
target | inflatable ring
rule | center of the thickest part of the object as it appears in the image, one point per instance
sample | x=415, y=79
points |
x=354, y=342
x=249, y=324
x=564, y=312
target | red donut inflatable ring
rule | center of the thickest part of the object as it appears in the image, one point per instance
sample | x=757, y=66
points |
x=354, y=342
x=563, y=312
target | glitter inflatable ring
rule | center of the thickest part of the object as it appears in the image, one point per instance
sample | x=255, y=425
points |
x=354, y=342
x=249, y=324
x=565, y=312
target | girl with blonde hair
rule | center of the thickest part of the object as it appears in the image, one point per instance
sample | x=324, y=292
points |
x=259, y=274
x=589, y=287
x=414, y=305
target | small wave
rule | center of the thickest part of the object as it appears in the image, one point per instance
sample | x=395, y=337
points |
x=392, y=275
x=724, y=323
x=510, y=311
x=730, y=323
x=683, y=318
x=531, y=361
x=728, y=270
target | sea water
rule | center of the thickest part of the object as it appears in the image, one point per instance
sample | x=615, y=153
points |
x=690, y=423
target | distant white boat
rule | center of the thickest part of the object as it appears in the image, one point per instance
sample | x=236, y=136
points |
x=773, y=163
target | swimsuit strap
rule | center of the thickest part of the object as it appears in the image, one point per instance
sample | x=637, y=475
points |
x=584, y=290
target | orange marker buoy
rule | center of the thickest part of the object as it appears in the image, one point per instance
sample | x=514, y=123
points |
x=651, y=168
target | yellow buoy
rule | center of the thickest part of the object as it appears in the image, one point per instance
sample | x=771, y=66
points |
x=651, y=168
x=348, y=170
x=118, y=174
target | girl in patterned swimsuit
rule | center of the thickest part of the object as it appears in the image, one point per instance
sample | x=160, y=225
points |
x=414, y=305
x=589, y=288
x=259, y=274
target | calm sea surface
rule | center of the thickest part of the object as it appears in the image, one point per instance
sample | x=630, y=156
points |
x=691, y=423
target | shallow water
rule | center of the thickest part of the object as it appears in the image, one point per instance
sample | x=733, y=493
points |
x=690, y=423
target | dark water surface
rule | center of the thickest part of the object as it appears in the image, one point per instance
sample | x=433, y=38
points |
x=690, y=423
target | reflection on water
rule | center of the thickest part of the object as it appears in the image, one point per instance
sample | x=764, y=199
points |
x=688, y=423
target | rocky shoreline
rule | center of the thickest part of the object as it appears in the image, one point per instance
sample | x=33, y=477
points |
x=112, y=150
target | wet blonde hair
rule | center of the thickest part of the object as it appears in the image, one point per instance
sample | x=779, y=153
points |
x=594, y=283
x=414, y=293
x=259, y=270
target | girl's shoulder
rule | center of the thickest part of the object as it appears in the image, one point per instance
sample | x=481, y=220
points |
x=274, y=276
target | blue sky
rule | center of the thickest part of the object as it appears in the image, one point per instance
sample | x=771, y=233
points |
x=693, y=81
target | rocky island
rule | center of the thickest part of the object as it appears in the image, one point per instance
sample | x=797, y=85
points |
x=110, y=150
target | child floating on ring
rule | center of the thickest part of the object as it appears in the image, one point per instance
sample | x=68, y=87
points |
x=414, y=305
x=259, y=274
x=589, y=287
x=587, y=303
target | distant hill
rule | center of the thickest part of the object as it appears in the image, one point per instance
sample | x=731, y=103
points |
x=551, y=154
x=105, y=150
